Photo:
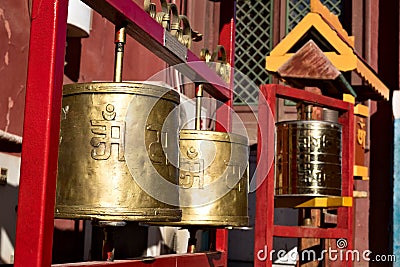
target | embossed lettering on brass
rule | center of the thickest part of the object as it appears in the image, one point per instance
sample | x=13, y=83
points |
x=361, y=134
x=233, y=173
x=108, y=132
x=156, y=152
x=191, y=171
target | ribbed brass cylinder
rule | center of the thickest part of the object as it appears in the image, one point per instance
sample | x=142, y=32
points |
x=308, y=158
x=105, y=127
x=213, y=178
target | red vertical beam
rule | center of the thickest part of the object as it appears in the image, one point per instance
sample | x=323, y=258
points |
x=41, y=133
x=345, y=214
x=227, y=39
x=224, y=121
x=264, y=221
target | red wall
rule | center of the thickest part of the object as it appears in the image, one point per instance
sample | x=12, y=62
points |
x=14, y=40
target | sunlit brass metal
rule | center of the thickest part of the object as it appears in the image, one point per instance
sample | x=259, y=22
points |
x=213, y=164
x=169, y=19
x=199, y=95
x=120, y=40
x=222, y=66
x=205, y=55
x=98, y=120
x=308, y=158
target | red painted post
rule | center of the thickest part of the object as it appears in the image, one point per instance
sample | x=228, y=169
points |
x=345, y=215
x=224, y=120
x=227, y=39
x=265, y=229
x=263, y=241
x=41, y=133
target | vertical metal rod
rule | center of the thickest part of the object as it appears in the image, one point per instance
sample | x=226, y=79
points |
x=308, y=111
x=199, y=95
x=120, y=40
x=192, y=240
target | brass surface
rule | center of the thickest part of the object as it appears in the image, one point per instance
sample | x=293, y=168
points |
x=213, y=178
x=308, y=158
x=199, y=96
x=222, y=67
x=102, y=126
x=170, y=20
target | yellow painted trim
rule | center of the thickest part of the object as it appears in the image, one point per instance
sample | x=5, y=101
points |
x=316, y=202
x=340, y=201
x=361, y=110
x=317, y=7
x=349, y=98
x=372, y=79
x=272, y=63
x=360, y=171
x=316, y=21
x=341, y=62
x=360, y=194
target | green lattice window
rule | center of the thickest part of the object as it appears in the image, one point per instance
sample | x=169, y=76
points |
x=253, y=43
x=297, y=9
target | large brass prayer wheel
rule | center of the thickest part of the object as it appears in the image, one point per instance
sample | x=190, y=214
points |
x=213, y=178
x=308, y=158
x=111, y=135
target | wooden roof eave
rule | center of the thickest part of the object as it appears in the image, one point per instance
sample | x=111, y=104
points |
x=345, y=58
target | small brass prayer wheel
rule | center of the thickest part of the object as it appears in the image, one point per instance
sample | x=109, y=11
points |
x=308, y=158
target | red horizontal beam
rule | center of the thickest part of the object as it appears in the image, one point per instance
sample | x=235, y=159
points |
x=294, y=94
x=304, y=232
x=150, y=34
x=215, y=259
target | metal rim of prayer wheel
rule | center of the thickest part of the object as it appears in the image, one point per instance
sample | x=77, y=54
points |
x=98, y=120
x=308, y=158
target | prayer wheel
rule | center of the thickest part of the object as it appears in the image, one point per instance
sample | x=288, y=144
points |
x=113, y=146
x=308, y=158
x=213, y=178
x=101, y=124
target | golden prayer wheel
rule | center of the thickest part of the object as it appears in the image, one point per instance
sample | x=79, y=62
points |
x=308, y=158
x=112, y=134
x=213, y=178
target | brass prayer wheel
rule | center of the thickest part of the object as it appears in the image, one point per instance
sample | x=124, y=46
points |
x=112, y=134
x=308, y=158
x=213, y=178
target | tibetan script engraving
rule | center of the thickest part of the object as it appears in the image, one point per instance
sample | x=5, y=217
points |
x=108, y=132
x=232, y=177
x=361, y=134
x=191, y=171
x=155, y=149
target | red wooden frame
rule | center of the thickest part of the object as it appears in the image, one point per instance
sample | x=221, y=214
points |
x=265, y=230
x=42, y=122
x=192, y=260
